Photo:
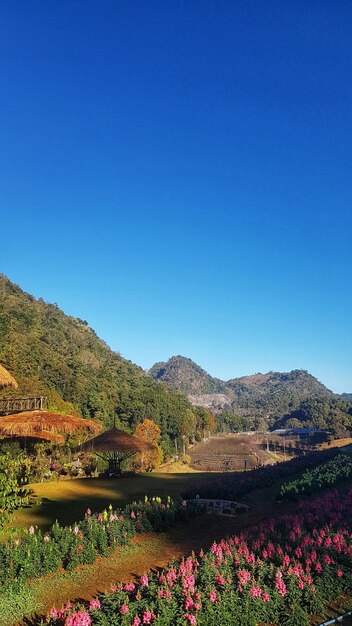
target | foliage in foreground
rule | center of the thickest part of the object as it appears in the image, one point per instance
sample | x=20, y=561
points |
x=16, y=599
x=14, y=493
x=37, y=554
x=318, y=478
x=279, y=572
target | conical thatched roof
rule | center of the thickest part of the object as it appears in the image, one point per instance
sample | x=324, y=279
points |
x=6, y=379
x=40, y=434
x=115, y=440
x=29, y=423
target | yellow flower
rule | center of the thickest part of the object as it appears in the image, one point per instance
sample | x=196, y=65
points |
x=110, y=507
x=105, y=515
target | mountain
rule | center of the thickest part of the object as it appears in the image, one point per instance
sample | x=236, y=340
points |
x=61, y=357
x=347, y=396
x=267, y=395
x=183, y=374
x=276, y=393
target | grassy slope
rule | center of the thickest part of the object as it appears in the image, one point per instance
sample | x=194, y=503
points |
x=67, y=500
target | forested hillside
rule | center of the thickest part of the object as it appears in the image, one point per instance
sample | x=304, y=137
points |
x=182, y=373
x=333, y=414
x=259, y=400
x=276, y=393
x=53, y=354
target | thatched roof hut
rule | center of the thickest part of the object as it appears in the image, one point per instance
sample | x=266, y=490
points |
x=115, y=440
x=29, y=423
x=6, y=379
x=39, y=435
x=115, y=446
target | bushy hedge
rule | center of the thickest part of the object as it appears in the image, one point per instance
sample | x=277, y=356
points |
x=36, y=553
x=280, y=572
x=318, y=478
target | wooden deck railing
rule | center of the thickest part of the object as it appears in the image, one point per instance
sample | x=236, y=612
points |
x=17, y=405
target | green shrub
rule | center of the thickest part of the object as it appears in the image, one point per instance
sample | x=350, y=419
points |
x=16, y=600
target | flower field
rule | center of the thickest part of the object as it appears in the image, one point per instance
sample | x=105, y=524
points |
x=318, y=478
x=279, y=572
x=36, y=553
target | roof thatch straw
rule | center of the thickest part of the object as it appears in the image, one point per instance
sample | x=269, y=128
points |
x=6, y=379
x=29, y=423
x=115, y=440
x=40, y=434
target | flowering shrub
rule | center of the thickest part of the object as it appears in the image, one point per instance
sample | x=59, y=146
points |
x=278, y=572
x=37, y=554
x=318, y=478
x=235, y=485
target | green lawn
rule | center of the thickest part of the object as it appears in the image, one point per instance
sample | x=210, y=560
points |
x=67, y=500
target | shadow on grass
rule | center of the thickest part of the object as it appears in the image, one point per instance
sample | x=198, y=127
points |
x=68, y=500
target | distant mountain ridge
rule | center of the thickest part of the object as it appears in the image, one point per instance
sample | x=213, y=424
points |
x=270, y=394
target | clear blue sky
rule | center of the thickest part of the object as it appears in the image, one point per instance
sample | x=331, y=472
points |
x=178, y=173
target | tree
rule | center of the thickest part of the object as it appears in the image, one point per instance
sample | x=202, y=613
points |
x=205, y=420
x=150, y=432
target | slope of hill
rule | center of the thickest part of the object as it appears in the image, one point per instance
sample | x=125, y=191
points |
x=53, y=354
x=182, y=373
x=271, y=394
x=276, y=393
x=347, y=397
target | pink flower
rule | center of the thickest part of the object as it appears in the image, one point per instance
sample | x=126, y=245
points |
x=76, y=530
x=255, y=592
x=124, y=608
x=144, y=581
x=339, y=573
x=31, y=530
x=46, y=538
x=213, y=596
x=94, y=605
x=132, y=515
x=265, y=597
x=148, y=617
x=136, y=621
x=191, y=619
x=89, y=512
x=100, y=517
x=189, y=603
x=129, y=587
x=78, y=619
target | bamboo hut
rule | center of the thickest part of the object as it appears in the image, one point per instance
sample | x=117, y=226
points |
x=115, y=446
x=30, y=423
x=6, y=379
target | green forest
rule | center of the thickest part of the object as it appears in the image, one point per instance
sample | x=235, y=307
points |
x=61, y=357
